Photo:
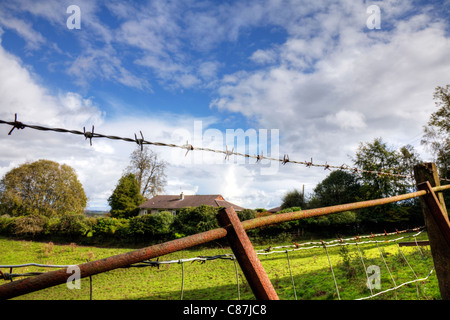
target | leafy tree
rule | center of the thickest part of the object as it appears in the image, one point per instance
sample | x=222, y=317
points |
x=376, y=156
x=149, y=171
x=42, y=187
x=379, y=157
x=293, y=198
x=437, y=132
x=338, y=188
x=126, y=197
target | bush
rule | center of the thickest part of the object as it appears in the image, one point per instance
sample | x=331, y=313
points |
x=73, y=226
x=193, y=220
x=246, y=214
x=6, y=224
x=161, y=223
x=30, y=225
x=157, y=225
x=110, y=227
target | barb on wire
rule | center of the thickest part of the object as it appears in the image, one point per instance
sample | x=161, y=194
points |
x=188, y=147
x=16, y=125
x=285, y=159
x=259, y=157
x=88, y=135
x=228, y=153
x=140, y=142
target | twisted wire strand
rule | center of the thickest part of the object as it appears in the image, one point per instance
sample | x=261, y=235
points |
x=202, y=259
x=188, y=147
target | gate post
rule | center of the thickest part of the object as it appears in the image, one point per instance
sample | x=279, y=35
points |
x=437, y=223
x=246, y=255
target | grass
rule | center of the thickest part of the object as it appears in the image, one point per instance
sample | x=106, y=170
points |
x=216, y=280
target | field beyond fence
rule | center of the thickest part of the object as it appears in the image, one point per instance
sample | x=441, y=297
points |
x=297, y=270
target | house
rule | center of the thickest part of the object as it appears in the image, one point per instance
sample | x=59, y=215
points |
x=174, y=203
x=274, y=210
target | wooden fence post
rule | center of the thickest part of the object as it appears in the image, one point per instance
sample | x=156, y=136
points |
x=436, y=221
x=246, y=255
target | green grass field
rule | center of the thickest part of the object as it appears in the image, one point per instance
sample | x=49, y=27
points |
x=216, y=279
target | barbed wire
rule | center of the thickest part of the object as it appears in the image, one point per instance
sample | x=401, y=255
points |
x=189, y=147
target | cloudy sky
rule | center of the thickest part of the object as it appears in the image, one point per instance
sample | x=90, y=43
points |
x=311, y=79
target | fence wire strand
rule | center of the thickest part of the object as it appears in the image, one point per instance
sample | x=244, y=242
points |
x=189, y=147
x=304, y=246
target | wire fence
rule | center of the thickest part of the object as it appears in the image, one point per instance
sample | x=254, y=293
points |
x=219, y=233
x=189, y=147
x=288, y=250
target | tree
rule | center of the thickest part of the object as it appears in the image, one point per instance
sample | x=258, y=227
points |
x=437, y=132
x=126, y=197
x=149, y=171
x=338, y=188
x=377, y=156
x=293, y=198
x=41, y=187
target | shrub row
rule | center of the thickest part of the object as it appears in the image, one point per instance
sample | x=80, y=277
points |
x=156, y=227
x=160, y=226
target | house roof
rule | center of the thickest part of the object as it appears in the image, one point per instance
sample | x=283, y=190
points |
x=274, y=210
x=175, y=202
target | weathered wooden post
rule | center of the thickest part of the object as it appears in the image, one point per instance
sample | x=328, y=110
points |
x=437, y=223
x=246, y=255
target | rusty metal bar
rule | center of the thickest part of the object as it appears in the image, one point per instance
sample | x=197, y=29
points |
x=21, y=287
x=436, y=210
x=53, y=278
x=427, y=172
x=290, y=216
x=246, y=255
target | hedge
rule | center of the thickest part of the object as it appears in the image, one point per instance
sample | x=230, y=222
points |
x=151, y=227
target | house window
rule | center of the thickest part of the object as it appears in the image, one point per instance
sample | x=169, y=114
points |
x=174, y=212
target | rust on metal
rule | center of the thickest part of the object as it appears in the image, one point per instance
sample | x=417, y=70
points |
x=53, y=278
x=440, y=218
x=297, y=215
x=246, y=255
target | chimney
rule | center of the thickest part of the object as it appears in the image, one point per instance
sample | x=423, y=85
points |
x=182, y=196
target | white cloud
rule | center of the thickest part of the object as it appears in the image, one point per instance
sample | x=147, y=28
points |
x=378, y=85
x=264, y=56
x=33, y=38
x=346, y=119
x=327, y=84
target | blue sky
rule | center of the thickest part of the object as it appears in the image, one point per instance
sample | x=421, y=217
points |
x=313, y=71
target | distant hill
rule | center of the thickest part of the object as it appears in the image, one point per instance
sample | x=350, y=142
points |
x=95, y=213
